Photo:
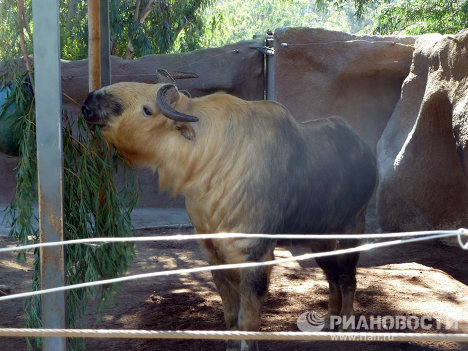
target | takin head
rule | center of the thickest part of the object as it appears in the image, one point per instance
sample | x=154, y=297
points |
x=135, y=116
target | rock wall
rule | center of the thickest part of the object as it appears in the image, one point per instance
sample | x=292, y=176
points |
x=406, y=96
x=236, y=69
x=423, y=152
x=320, y=73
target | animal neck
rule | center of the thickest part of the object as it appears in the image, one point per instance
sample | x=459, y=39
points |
x=214, y=185
x=221, y=172
x=213, y=174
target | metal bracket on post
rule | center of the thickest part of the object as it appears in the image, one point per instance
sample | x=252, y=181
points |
x=269, y=52
x=48, y=97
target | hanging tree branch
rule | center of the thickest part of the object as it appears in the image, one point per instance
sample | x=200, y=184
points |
x=21, y=25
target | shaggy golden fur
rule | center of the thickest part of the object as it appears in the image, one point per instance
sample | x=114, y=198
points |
x=205, y=169
x=247, y=167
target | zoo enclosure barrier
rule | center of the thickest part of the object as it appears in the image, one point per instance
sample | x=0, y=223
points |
x=402, y=238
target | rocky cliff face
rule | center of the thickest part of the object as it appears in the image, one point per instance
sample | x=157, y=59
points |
x=423, y=152
x=320, y=73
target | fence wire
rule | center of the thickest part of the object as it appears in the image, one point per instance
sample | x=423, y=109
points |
x=429, y=235
x=233, y=335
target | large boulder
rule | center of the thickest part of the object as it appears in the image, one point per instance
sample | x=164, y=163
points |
x=423, y=151
x=236, y=69
x=321, y=73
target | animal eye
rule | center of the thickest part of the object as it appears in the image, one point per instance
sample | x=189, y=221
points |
x=147, y=111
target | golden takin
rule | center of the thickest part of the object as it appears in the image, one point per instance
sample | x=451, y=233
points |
x=246, y=167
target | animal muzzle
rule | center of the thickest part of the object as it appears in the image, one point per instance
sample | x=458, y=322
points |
x=98, y=107
x=88, y=113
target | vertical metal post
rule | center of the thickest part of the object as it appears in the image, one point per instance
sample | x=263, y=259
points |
x=105, y=44
x=48, y=95
x=269, y=69
x=270, y=66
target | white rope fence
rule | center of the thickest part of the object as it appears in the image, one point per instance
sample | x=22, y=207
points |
x=232, y=335
x=420, y=236
x=235, y=335
x=180, y=237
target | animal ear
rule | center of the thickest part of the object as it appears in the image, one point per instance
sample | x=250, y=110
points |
x=185, y=129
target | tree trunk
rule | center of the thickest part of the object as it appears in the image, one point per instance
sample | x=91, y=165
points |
x=138, y=19
x=21, y=16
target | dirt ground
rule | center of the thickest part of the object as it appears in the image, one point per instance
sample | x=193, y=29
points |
x=421, y=279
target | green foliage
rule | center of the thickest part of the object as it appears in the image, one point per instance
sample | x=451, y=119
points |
x=21, y=211
x=93, y=207
x=73, y=29
x=168, y=21
x=423, y=16
x=185, y=25
x=170, y=25
x=9, y=30
x=233, y=20
x=361, y=7
x=411, y=16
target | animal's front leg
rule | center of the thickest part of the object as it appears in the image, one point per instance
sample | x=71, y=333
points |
x=228, y=286
x=254, y=287
x=242, y=291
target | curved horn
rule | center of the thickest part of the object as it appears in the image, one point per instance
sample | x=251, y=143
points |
x=167, y=95
x=163, y=76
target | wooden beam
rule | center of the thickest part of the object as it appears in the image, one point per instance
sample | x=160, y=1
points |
x=105, y=44
x=94, y=44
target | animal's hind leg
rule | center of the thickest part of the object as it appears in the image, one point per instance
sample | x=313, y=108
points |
x=347, y=278
x=329, y=266
x=347, y=267
x=341, y=275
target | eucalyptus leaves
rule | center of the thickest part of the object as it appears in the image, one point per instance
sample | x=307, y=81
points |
x=93, y=207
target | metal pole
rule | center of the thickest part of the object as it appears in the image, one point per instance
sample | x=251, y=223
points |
x=270, y=76
x=94, y=44
x=270, y=66
x=105, y=44
x=269, y=71
x=48, y=95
